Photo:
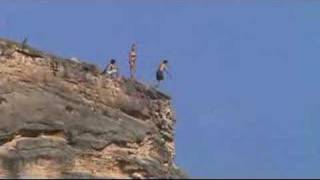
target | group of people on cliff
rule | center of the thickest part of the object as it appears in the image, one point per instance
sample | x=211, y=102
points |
x=112, y=69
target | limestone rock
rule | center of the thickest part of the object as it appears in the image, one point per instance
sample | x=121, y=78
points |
x=61, y=119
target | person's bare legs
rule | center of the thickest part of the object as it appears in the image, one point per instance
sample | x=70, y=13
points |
x=157, y=84
x=132, y=72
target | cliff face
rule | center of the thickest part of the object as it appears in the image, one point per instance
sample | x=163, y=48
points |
x=60, y=119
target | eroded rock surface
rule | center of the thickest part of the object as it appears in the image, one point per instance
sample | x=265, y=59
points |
x=61, y=119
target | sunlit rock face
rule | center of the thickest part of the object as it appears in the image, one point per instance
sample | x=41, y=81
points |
x=60, y=118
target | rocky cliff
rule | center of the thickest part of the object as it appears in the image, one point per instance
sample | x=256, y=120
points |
x=60, y=118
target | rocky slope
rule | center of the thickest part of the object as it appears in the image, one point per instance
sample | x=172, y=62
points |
x=61, y=119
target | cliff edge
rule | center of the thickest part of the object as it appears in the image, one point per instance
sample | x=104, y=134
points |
x=60, y=118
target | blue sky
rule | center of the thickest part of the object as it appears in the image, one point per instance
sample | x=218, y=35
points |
x=245, y=73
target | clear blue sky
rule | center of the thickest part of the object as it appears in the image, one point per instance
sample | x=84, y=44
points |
x=245, y=73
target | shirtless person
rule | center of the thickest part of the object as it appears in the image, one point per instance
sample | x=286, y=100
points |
x=163, y=67
x=112, y=69
x=133, y=61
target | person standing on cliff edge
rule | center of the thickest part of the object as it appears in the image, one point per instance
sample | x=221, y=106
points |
x=163, y=67
x=133, y=60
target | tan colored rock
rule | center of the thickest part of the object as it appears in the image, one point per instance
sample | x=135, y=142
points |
x=61, y=119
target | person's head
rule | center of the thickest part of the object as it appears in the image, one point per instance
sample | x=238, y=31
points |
x=165, y=62
x=133, y=47
x=112, y=61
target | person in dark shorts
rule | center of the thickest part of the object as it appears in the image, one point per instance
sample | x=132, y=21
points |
x=163, y=67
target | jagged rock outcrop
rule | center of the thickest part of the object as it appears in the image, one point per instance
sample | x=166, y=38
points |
x=60, y=118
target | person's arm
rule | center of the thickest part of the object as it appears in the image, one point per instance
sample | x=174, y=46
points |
x=166, y=70
x=105, y=70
